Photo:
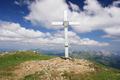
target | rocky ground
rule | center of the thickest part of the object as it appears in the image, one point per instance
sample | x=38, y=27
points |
x=53, y=68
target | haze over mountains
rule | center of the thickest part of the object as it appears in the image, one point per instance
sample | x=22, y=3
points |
x=108, y=58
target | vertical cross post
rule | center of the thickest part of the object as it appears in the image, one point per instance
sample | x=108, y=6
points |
x=65, y=23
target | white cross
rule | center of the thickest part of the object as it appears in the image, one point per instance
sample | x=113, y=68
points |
x=65, y=23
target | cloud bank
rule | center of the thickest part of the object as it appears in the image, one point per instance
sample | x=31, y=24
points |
x=14, y=33
x=93, y=17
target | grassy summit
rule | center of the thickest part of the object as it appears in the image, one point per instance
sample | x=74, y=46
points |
x=9, y=61
x=27, y=65
x=14, y=58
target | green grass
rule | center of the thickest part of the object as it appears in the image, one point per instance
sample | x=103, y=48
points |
x=32, y=77
x=12, y=59
x=100, y=75
x=9, y=61
x=106, y=75
x=36, y=76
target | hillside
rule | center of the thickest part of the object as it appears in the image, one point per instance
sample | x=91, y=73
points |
x=33, y=66
x=111, y=59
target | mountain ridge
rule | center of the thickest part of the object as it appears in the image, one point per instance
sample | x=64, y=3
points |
x=27, y=65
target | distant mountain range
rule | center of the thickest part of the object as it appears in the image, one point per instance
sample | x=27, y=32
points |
x=107, y=58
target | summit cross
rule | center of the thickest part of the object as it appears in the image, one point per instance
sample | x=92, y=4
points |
x=66, y=23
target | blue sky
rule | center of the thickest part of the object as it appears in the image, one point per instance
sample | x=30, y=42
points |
x=23, y=15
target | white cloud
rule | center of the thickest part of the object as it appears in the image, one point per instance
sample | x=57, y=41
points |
x=12, y=33
x=94, y=16
x=45, y=11
x=16, y=2
x=116, y=3
x=112, y=32
x=11, y=30
x=74, y=7
x=22, y=2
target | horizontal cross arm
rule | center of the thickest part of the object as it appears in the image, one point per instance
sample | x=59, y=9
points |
x=57, y=23
x=74, y=23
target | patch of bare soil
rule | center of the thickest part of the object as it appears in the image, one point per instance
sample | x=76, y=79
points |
x=56, y=66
